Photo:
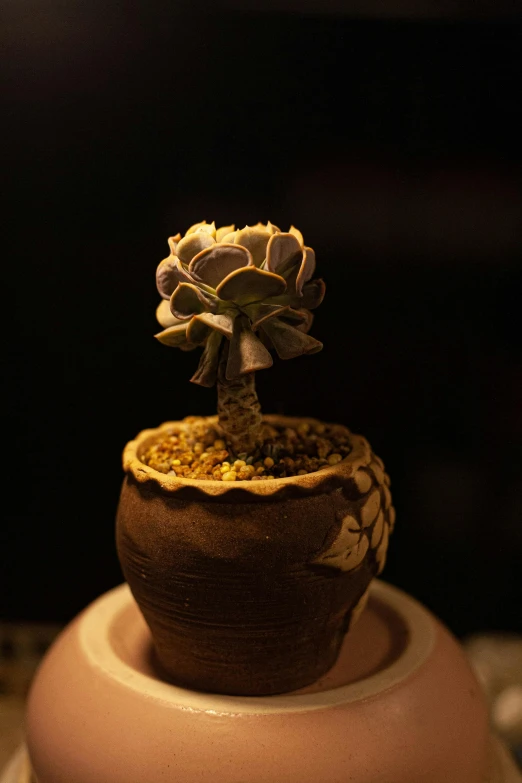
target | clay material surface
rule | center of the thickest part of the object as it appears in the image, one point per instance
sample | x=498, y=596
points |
x=400, y=706
x=249, y=587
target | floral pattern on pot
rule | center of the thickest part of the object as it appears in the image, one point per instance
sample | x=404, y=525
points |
x=251, y=286
x=367, y=526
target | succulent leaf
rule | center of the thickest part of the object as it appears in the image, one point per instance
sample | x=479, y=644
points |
x=174, y=336
x=260, y=312
x=246, y=353
x=206, y=374
x=250, y=284
x=222, y=322
x=222, y=232
x=180, y=271
x=207, y=228
x=288, y=341
x=173, y=243
x=255, y=239
x=169, y=273
x=295, y=231
x=283, y=253
x=195, y=227
x=229, y=239
x=166, y=280
x=313, y=294
x=197, y=331
x=306, y=270
x=213, y=264
x=191, y=245
x=294, y=317
x=188, y=300
x=301, y=319
x=164, y=316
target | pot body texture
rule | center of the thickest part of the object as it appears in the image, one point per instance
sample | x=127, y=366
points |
x=249, y=589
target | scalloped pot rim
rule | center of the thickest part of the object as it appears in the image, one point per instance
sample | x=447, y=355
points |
x=335, y=475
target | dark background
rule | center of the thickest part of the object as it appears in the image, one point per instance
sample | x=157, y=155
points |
x=392, y=141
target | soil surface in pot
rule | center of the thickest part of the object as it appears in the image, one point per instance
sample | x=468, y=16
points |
x=198, y=451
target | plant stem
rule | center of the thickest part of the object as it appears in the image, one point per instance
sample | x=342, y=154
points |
x=239, y=410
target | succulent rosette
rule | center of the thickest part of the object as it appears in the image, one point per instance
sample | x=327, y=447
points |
x=252, y=287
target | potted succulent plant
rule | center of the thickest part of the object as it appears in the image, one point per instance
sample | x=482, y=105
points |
x=248, y=541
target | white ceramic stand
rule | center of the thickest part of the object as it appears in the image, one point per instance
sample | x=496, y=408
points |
x=400, y=706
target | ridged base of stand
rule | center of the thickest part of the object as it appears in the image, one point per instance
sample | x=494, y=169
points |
x=401, y=705
x=502, y=768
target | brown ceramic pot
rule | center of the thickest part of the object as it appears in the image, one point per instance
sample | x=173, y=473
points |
x=249, y=588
